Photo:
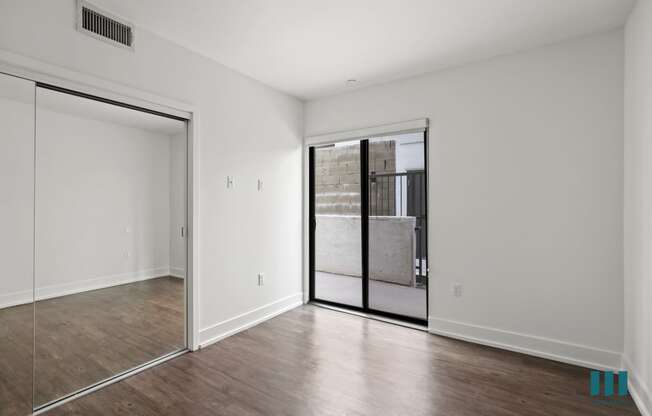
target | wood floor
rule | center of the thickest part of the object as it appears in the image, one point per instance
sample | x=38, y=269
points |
x=84, y=338
x=16, y=360
x=87, y=337
x=314, y=361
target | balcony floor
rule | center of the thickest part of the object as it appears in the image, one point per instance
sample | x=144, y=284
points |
x=383, y=296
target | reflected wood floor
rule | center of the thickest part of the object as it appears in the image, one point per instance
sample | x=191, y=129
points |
x=314, y=361
x=16, y=359
x=85, y=338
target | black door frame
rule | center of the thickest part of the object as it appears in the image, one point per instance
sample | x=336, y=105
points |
x=364, y=213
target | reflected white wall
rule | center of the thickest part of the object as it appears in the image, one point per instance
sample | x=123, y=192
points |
x=17, y=189
x=178, y=178
x=105, y=203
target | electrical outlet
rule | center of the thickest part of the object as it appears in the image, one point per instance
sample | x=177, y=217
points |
x=457, y=290
x=260, y=184
x=261, y=279
x=229, y=182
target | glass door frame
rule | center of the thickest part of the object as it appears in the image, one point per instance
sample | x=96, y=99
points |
x=364, y=214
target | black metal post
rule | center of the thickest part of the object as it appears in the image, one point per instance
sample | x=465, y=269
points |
x=364, y=213
x=312, y=222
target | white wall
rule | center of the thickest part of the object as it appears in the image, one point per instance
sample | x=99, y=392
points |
x=110, y=184
x=526, y=183
x=410, y=155
x=409, y=151
x=638, y=204
x=178, y=178
x=17, y=185
x=103, y=203
x=246, y=130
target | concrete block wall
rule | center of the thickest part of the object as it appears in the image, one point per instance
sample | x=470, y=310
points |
x=337, y=178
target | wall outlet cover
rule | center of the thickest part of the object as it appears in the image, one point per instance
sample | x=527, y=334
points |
x=457, y=290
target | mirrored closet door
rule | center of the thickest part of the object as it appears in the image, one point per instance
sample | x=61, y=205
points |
x=109, y=243
x=16, y=245
x=93, y=210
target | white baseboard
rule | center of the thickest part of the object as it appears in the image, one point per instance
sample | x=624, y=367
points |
x=179, y=272
x=638, y=389
x=232, y=326
x=55, y=291
x=551, y=349
x=7, y=300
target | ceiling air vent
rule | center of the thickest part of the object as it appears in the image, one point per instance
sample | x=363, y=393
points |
x=104, y=26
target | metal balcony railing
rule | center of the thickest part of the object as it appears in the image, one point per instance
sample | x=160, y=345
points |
x=403, y=194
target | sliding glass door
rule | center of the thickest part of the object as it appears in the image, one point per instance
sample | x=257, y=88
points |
x=338, y=224
x=368, y=234
x=397, y=225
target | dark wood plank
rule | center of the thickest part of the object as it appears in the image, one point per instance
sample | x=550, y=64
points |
x=313, y=361
x=87, y=337
x=16, y=359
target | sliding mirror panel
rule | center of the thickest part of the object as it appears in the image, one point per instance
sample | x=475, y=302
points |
x=398, y=277
x=337, y=224
x=110, y=254
x=16, y=245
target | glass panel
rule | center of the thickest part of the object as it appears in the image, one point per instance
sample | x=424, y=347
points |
x=110, y=254
x=338, y=262
x=397, y=225
x=16, y=245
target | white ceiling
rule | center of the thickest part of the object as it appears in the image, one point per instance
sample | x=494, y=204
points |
x=309, y=48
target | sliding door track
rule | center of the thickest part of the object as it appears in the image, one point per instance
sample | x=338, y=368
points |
x=382, y=317
x=107, y=382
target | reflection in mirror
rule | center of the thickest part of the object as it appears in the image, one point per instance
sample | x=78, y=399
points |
x=110, y=251
x=16, y=245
